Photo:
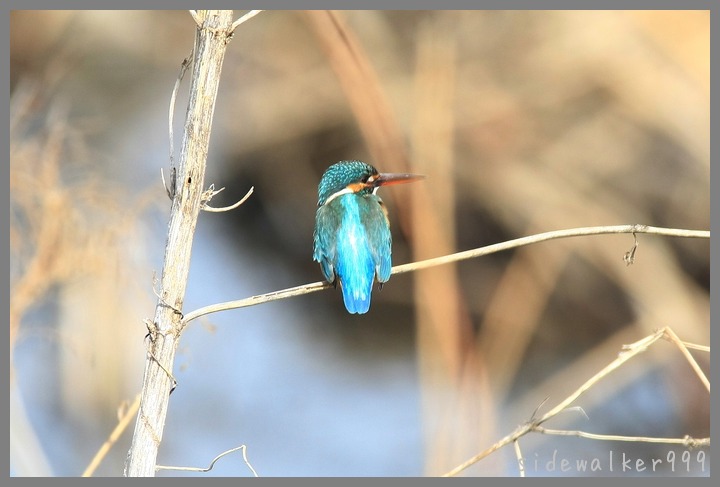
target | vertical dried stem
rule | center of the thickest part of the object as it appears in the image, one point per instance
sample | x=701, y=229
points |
x=454, y=383
x=362, y=87
x=210, y=43
x=367, y=98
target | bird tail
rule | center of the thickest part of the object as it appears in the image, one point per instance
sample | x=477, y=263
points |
x=356, y=299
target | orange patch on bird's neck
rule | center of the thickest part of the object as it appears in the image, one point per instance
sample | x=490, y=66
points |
x=357, y=187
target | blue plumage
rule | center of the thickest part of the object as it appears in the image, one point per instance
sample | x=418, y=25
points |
x=352, y=240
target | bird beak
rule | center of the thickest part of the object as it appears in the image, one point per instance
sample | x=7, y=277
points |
x=386, y=179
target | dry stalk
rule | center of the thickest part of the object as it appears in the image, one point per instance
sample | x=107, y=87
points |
x=534, y=425
x=212, y=36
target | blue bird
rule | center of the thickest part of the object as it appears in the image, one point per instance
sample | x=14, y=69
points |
x=352, y=240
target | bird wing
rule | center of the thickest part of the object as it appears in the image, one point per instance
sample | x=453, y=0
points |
x=324, y=242
x=378, y=229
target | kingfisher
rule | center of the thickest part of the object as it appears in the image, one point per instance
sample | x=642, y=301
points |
x=352, y=240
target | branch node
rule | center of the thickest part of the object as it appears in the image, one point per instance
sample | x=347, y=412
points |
x=164, y=303
x=152, y=330
x=208, y=195
x=152, y=335
x=691, y=442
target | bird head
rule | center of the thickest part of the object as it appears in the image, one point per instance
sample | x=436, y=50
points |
x=357, y=177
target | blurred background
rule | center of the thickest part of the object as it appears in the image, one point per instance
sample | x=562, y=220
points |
x=523, y=122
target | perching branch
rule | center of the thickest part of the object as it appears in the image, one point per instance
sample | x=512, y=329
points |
x=212, y=36
x=447, y=259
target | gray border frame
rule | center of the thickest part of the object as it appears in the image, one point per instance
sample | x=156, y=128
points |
x=318, y=4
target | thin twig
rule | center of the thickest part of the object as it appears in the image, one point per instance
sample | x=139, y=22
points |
x=629, y=256
x=122, y=425
x=519, y=432
x=468, y=254
x=196, y=18
x=629, y=351
x=520, y=459
x=171, y=111
x=542, y=237
x=167, y=190
x=212, y=463
x=244, y=18
x=209, y=208
x=695, y=346
x=686, y=441
x=688, y=356
x=259, y=299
